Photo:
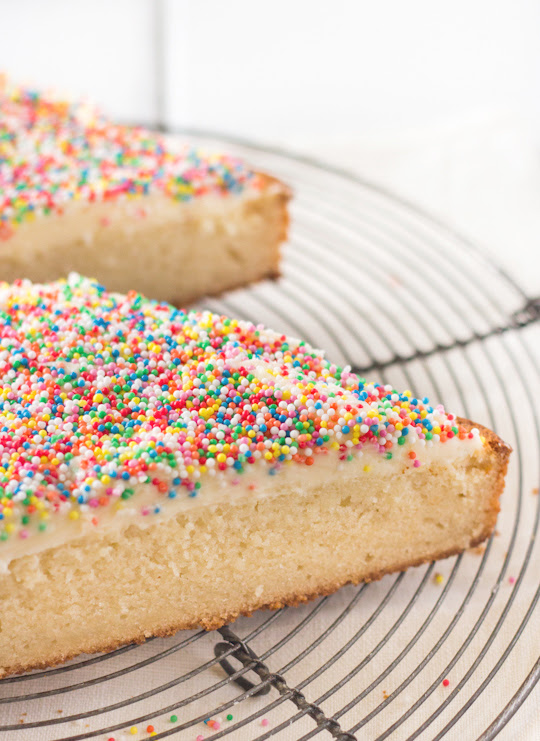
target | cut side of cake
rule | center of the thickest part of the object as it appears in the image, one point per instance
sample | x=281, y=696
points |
x=163, y=469
x=79, y=193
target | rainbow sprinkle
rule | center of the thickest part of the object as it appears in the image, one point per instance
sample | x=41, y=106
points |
x=53, y=152
x=100, y=393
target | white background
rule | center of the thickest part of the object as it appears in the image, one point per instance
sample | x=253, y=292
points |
x=439, y=101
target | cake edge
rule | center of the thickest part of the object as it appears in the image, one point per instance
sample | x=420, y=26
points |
x=270, y=192
x=284, y=194
x=492, y=441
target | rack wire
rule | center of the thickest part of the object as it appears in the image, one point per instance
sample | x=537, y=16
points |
x=387, y=289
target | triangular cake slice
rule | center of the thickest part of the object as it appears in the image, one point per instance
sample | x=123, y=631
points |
x=77, y=190
x=164, y=470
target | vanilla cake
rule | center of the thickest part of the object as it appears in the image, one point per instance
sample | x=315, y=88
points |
x=163, y=469
x=78, y=192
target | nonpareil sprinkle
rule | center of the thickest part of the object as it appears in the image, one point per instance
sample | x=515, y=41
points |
x=103, y=394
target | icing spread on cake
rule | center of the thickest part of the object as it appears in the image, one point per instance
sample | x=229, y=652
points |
x=53, y=152
x=112, y=403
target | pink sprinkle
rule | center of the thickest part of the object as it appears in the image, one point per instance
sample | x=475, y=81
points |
x=264, y=722
x=199, y=738
x=23, y=534
x=512, y=579
x=446, y=682
x=417, y=463
x=216, y=726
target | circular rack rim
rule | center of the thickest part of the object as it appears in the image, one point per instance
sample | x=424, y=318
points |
x=255, y=662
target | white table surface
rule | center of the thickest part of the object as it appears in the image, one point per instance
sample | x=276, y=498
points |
x=481, y=176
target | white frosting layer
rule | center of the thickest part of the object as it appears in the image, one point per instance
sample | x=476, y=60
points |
x=229, y=488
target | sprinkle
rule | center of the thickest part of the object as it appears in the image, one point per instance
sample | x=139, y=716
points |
x=446, y=682
x=53, y=152
x=149, y=729
x=438, y=578
x=174, y=718
x=264, y=722
x=216, y=726
x=133, y=730
x=100, y=393
x=512, y=579
x=229, y=717
x=200, y=737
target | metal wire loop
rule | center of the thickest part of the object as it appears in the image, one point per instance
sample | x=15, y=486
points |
x=245, y=655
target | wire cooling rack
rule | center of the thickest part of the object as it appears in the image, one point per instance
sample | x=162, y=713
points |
x=405, y=300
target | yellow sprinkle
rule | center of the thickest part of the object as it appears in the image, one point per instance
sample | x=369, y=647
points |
x=439, y=578
x=133, y=730
x=73, y=515
x=367, y=469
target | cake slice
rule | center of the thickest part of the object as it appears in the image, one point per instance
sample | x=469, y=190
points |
x=164, y=470
x=78, y=192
